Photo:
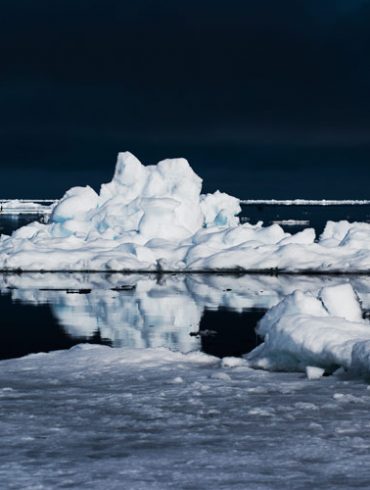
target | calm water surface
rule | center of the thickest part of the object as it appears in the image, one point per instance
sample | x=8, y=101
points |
x=213, y=313
x=296, y=218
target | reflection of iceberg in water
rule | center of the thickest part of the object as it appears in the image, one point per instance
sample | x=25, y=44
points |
x=139, y=311
x=135, y=319
x=130, y=311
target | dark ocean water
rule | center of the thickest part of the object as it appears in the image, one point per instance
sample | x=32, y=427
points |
x=11, y=222
x=296, y=218
x=34, y=320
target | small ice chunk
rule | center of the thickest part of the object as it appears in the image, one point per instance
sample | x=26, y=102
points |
x=222, y=376
x=314, y=372
x=176, y=381
x=306, y=406
x=232, y=362
x=347, y=398
x=341, y=301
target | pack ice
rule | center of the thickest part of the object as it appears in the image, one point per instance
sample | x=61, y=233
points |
x=315, y=332
x=155, y=218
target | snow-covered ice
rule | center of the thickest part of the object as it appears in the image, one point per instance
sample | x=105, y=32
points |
x=324, y=330
x=96, y=417
x=155, y=218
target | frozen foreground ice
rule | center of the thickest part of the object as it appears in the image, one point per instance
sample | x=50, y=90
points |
x=97, y=417
x=154, y=218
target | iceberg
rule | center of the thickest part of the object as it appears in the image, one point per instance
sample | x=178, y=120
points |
x=154, y=218
x=146, y=218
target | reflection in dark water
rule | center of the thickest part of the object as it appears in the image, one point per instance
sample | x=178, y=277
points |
x=40, y=320
x=211, y=312
x=11, y=222
x=27, y=328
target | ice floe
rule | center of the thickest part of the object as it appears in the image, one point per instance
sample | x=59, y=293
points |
x=306, y=331
x=154, y=218
x=94, y=417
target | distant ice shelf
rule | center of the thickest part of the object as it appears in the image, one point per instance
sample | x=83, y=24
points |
x=292, y=222
x=26, y=206
x=305, y=202
x=35, y=206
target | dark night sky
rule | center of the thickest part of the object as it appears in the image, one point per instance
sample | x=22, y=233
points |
x=266, y=98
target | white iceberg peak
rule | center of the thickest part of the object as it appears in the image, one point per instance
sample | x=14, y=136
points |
x=145, y=218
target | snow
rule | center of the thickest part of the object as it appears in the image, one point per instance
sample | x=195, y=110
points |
x=95, y=417
x=75, y=203
x=323, y=330
x=151, y=218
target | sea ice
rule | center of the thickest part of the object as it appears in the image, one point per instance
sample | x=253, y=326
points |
x=323, y=330
x=95, y=417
